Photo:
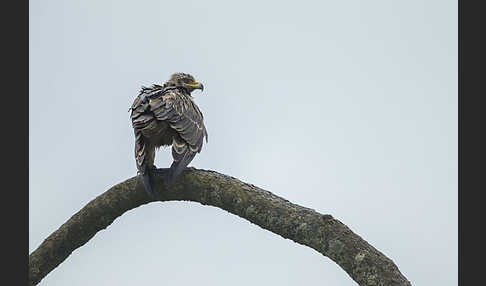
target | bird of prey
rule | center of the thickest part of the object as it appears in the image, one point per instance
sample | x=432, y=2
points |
x=163, y=116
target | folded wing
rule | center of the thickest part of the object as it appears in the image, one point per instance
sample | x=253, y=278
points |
x=185, y=118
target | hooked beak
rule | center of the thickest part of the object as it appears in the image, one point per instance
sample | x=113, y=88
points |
x=196, y=85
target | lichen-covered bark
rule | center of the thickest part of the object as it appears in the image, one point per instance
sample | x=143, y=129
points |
x=365, y=264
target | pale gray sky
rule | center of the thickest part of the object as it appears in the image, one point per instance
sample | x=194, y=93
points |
x=346, y=107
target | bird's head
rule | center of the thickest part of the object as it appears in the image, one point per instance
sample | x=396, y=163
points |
x=184, y=80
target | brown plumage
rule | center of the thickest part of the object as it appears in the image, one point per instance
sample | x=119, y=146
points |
x=167, y=115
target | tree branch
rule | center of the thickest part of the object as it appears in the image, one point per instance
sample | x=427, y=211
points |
x=365, y=264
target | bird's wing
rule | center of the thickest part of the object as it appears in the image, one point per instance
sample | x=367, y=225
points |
x=142, y=119
x=182, y=115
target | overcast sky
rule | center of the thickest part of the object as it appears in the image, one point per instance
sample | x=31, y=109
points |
x=346, y=107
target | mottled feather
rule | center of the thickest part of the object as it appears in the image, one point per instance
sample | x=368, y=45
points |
x=163, y=116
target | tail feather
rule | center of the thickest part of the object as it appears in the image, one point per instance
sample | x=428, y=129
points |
x=178, y=166
x=147, y=183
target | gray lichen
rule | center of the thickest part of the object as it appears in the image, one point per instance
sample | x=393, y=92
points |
x=325, y=234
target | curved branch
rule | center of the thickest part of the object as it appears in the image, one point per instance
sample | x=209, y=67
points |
x=365, y=264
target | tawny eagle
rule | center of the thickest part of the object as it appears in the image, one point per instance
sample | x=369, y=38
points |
x=163, y=116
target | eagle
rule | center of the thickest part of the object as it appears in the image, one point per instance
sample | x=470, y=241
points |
x=164, y=115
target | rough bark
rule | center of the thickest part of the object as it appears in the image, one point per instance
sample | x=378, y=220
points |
x=327, y=235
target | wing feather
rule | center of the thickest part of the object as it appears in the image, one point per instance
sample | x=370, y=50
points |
x=142, y=120
x=181, y=114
